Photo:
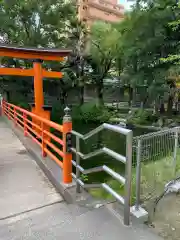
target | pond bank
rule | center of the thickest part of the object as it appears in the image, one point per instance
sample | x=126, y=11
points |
x=118, y=121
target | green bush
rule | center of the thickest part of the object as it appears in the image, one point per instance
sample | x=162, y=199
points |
x=57, y=113
x=142, y=116
x=23, y=105
x=89, y=112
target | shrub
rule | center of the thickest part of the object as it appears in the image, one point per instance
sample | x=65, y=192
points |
x=89, y=112
x=57, y=113
x=142, y=116
x=23, y=105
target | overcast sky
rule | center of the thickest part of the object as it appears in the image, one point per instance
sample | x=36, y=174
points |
x=126, y=3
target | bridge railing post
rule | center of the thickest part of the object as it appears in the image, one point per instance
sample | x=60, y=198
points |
x=138, y=173
x=25, y=124
x=8, y=110
x=2, y=106
x=43, y=140
x=67, y=144
x=15, y=117
x=127, y=202
x=78, y=188
x=175, y=149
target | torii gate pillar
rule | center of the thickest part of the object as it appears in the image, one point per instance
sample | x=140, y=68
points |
x=38, y=86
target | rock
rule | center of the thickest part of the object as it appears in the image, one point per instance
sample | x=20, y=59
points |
x=160, y=122
x=174, y=124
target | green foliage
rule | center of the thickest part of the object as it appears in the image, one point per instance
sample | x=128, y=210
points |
x=103, y=47
x=174, y=59
x=146, y=37
x=89, y=112
x=118, y=187
x=57, y=113
x=43, y=23
x=142, y=48
x=84, y=178
x=35, y=23
x=142, y=116
x=24, y=105
x=154, y=176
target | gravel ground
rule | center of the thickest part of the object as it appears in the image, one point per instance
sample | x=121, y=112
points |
x=166, y=220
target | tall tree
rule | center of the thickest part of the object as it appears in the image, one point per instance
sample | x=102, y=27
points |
x=146, y=37
x=35, y=23
x=103, y=46
x=42, y=23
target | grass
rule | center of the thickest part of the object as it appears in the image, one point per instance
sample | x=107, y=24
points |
x=154, y=176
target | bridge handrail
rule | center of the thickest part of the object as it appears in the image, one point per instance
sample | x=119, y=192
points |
x=127, y=160
x=50, y=123
x=38, y=128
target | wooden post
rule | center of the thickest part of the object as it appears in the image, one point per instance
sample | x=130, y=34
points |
x=38, y=86
x=25, y=124
x=15, y=117
x=43, y=143
x=67, y=164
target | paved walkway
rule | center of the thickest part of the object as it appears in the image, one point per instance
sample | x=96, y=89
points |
x=30, y=207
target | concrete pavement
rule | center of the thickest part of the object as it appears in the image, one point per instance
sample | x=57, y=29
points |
x=31, y=208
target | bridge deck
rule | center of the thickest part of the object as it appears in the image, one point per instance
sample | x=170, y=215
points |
x=30, y=207
x=23, y=185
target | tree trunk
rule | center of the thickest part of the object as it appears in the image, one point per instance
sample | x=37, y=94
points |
x=145, y=100
x=62, y=98
x=170, y=105
x=130, y=96
x=99, y=88
x=121, y=94
x=162, y=108
x=8, y=96
x=81, y=95
x=134, y=95
x=155, y=106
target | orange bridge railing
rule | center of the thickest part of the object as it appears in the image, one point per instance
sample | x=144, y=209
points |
x=58, y=145
x=41, y=131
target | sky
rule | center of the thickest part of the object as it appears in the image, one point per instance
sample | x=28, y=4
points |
x=126, y=3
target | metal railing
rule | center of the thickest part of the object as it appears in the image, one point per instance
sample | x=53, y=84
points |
x=156, y=159
x=127, y=160
x=39, y=129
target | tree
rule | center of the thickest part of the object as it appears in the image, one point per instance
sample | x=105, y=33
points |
x=103, y=46
x=35, y=23
x=146, y=37
x=77, y=72
x=42, y=23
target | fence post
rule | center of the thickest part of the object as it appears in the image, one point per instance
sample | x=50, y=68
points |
x=127, y=202
x=175, y=148
x=78, y=189
x=15, y=117
x=67, y=142
x=8, y=108
x=1, y=103
x=25, y=124
x=138, y=173
x=43, y=143
x=2, y=106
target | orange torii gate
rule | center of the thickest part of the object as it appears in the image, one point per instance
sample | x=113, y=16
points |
x=37, y=55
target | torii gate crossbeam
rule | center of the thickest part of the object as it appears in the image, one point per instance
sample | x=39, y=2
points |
x=37, y=55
